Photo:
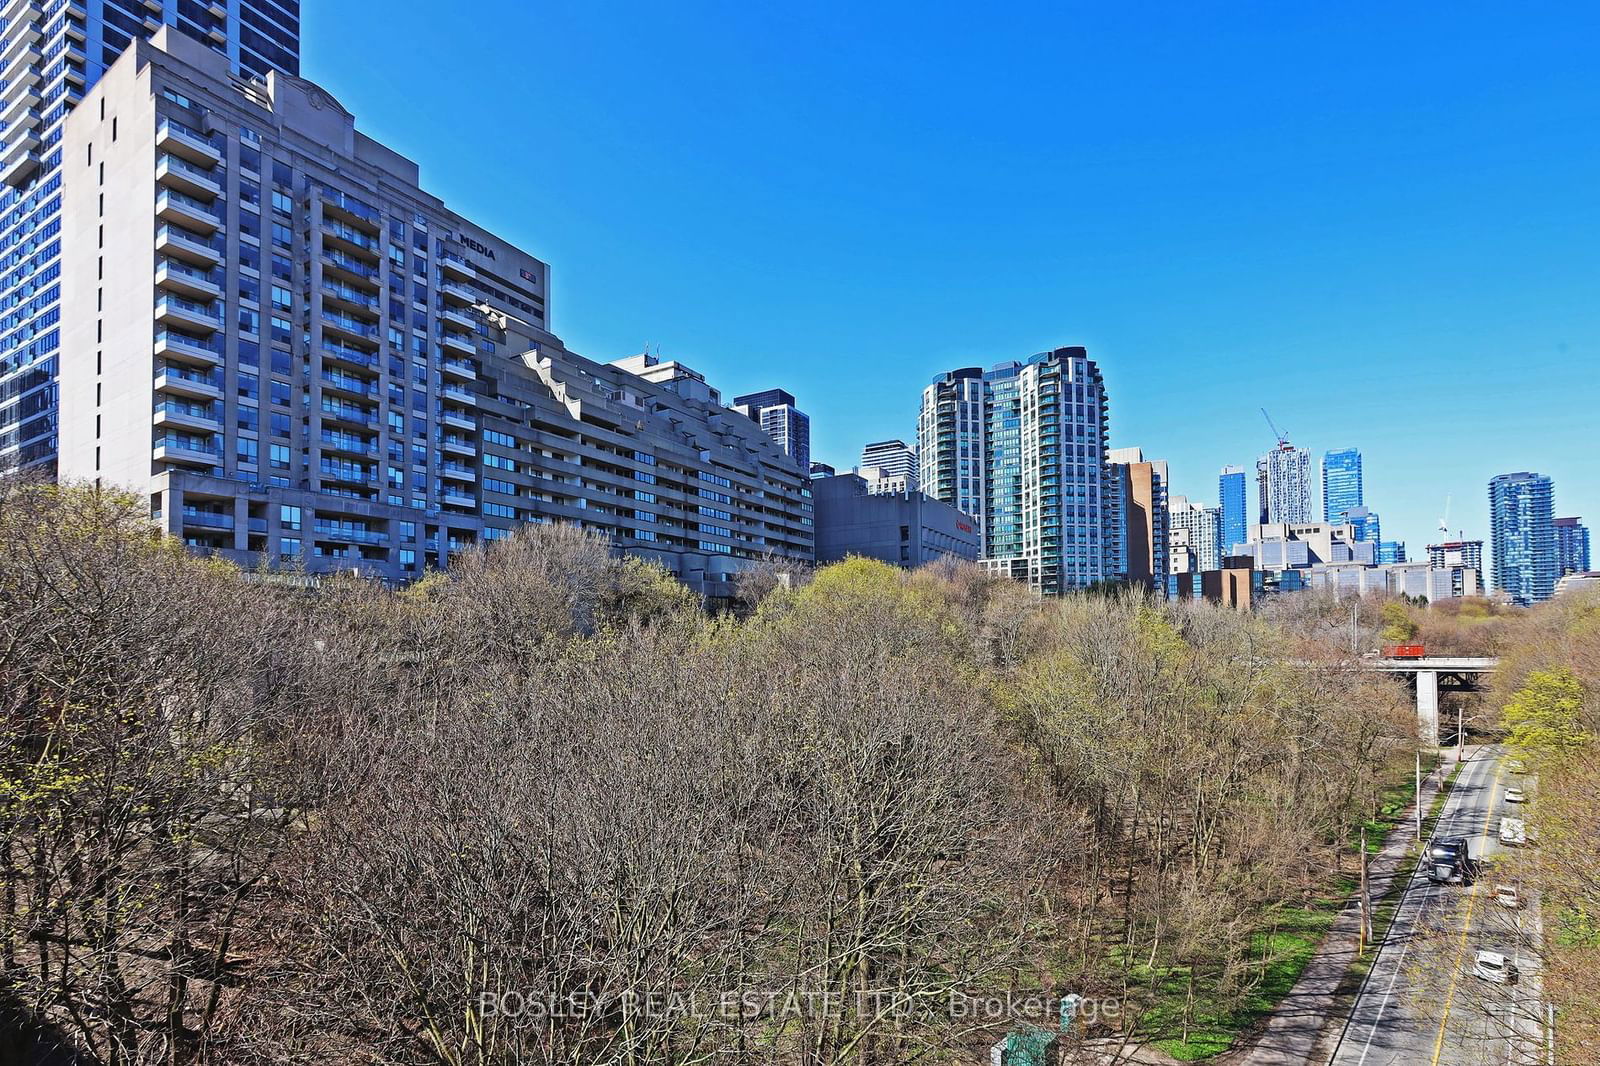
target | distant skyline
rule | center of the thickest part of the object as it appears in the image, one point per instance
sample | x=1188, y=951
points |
x=1375, y=222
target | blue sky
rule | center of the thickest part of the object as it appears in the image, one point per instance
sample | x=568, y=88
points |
x=1381, y=223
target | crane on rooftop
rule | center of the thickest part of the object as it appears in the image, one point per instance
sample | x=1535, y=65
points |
x=1283, y=441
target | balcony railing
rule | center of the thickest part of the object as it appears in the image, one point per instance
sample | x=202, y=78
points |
x=357, y=534
x=349, y=353
x=350, y=324
x=335, y=291
x=350, y=384
x=350, y=205
x=345, y=442
x=349, y=263
x=350, y=412
x=352, y=236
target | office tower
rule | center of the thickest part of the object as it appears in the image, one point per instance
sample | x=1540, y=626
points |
x=1046, y=521
x=296, y=354
x=785, y=423
x=889, y=466
x=1365, y=522
x=1284, y=485
x=1233, y=494
x=952, y=428
x=1463, y=559
x=53, y=51
x=1137, y=533
x=1572, y=546
x=822, y=469
x=1341, y=484
x=1195, y=536
x=1523, y=536
x=1391, y=551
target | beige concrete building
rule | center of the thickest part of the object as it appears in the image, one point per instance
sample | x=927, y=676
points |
x=299, y=355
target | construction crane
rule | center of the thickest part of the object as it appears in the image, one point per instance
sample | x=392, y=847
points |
x=1444, y=523
x=1283, y=441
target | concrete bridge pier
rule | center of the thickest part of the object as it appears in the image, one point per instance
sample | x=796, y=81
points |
x=1428, y=707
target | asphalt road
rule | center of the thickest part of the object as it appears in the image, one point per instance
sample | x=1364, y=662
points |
x=1422, y=1006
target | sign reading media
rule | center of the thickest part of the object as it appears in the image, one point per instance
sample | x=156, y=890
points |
x=473, y=246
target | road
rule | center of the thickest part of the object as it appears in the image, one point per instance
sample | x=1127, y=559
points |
x=1421, y=1004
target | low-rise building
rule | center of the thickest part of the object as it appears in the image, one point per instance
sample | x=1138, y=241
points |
x=907, y=529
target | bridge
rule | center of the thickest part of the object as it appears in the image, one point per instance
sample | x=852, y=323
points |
x=1431, y=674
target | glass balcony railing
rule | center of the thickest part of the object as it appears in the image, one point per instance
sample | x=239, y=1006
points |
x=210, y=412
x=214, y=378
x=173, y=125
x=341, y=531
x=194, y=203
x=350, y=353
x=349, y=295
x=349, y=263
x=350, y=412
x=351, y=205
x=212, y=176
x=214, y=276
x=351, y=325
x=332, y=468
x=188, y=443
x=217, y=243
x=350, y=384
x=353, y=236
x=204, y=309
x=172, y=336
x=346, y=442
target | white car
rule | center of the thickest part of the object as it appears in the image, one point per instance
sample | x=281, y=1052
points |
x=1506, y=896
x=1493, y=967
x=1516, y=795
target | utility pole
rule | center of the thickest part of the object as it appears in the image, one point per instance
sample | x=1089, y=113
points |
x=1461, y=735
x=1364, y=935
x=1419, y=795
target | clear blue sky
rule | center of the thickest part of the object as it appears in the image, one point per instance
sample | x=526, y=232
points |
x=1380, y=222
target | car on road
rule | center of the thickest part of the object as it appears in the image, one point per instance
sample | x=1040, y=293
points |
x=1494, y=967
x=1516, y=795
x=1449, y=861
x=1508, y=897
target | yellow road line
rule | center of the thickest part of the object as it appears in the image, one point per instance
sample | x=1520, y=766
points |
x=1466, y=925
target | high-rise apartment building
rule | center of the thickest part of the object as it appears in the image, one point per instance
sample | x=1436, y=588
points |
x=952, y=435
x=276, y=336
x=1046, y=520
x=1195, y=536
x=1391, y=551
x=1136, y=503
x=1523, y=534
x=785, y=423
x=1233, y=494
x=1284, y=485
x=890, y=466
x=1572, y=546
x=51, y=53
x=1463, y=560
x=1341, y=484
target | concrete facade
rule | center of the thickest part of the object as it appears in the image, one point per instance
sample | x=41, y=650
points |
x=907, y=529
x=320, y=364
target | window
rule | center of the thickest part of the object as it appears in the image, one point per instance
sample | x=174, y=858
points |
x=249, y=159
x=282, y=236
x=249, y=419
x=249, y=193
x=288, y=517
x=282, y=299
x=408, y=531
x=250, y=224
x=645, y=476
x=499, y=462
x=289, y=547
x=279, y=423
x=282, y=330
x=249, y=386
x=249, y=321
x=282, y=202
x=499, y=510
x=278, y=456
x=646, y=516
x=408, y=557
x=281, y=174
x=644, y=497
x=644, y=534
x=282, y=268
x=494, y=484
x=279, y=394
x=505, y=440
x=248, y=451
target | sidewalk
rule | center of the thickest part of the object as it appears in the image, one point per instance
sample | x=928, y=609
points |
x=1293, y=1032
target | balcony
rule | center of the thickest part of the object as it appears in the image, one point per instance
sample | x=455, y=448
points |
x=458, y=446
x=355, y=414
x=186, y=210
x=457, y=472
x=191, y=450
x=173, y=136
x=22, y=105
x=21, y=9
x=348, y=266
x=206, y=519
x=458, y=419
x=173, y=241
x=187, y=280
x=189, y=314
x=179, y=381
x=350, y=533
x=17, y=59
x=341, y=205
x=457, y=292
x=456, y=341
x=349, y=326
x=17, y=168
x=458, y=394
x=347, y=473
x=184, y=176
x=349, y=238
x=349, y=444
x=454, y=264
x=459, y=368
x=346, y=353
x=454, y=498
x=344, y=296
x=206, y=351
x=348, y=384
x=174, y=414
x=459, y=319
